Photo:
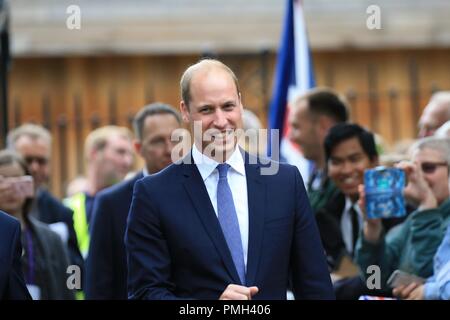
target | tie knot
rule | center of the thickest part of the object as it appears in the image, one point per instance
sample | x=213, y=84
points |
x=223, y=170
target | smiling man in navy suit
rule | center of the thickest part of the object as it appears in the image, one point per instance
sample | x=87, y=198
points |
x=216, y=225
x=106, y=263
x=12, y=285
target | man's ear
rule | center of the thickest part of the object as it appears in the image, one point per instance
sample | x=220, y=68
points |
x=92, y=155
x=184, y=111
x=325, y=123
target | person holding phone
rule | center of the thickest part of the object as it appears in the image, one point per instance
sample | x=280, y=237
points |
x=410, y=246
x=45, y=259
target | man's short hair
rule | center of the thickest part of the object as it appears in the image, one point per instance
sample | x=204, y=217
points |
x=345, y=131
x=204, y=64
x=30, y=130
x=98, y=139
x=151, y=110
x=441, y=145
x=324, y=101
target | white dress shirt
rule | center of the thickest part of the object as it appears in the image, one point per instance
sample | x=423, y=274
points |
x=347, y=226
x=237, y=182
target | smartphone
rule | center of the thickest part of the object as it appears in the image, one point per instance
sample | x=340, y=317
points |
x=401, y=278
x=23, y=185
x=384, y=192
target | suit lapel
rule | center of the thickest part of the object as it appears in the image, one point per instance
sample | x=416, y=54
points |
x=256, y=192
x=195, y=188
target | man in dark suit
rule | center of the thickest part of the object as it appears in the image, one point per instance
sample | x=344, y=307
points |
x=12, y=285
x=106, y=263
x=33, y=143
x=220, y=224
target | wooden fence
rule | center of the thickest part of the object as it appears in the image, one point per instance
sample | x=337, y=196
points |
x=387, y=91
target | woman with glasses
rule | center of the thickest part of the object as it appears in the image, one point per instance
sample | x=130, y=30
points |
x=44, y=258
x=410, y=246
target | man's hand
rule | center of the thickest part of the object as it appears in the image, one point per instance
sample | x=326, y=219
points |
x=413, y=291
x=417, y=190
x=372, y=227
x=237, y=292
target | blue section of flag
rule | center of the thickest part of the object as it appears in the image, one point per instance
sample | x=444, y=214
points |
x=285, y=73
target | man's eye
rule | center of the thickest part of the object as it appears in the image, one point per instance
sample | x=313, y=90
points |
x=335, y=162
x=205, y=110
x=355, y=158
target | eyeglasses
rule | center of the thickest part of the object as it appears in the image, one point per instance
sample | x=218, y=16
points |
x=430, y=167
x=40, y=160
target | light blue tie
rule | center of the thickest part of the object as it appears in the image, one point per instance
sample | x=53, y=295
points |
x=228, y=220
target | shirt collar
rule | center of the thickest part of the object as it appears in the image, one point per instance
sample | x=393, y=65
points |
x=145, y=171
x=206, y=165
x=349, y=204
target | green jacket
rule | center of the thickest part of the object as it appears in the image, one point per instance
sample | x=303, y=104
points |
x=319, y=198
x=409, y=246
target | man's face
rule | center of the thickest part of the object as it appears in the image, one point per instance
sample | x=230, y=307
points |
x=114, y=161
x=304, y=131
x=36, y=153
x=435, y=173
x=11, y=202
x=434, y=115
x=156, y=145
x=216, y=105
x=347, y=164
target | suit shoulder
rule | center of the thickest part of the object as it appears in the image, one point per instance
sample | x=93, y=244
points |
x=10, y=223
x=119, y=189
x=47, y=201
x=164, y=177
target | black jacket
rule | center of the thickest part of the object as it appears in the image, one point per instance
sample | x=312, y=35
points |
x=51, y=210
x=53, y=260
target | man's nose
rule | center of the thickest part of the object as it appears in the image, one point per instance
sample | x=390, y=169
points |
x=34, y=166
x=220, y=119
x=346, y=168
x=128, y=159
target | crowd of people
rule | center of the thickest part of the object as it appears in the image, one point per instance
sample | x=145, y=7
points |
x=209, y=224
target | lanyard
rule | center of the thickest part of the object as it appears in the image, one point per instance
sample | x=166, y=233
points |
x=30, y=257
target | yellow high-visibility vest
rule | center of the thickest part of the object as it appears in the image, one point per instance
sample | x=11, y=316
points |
x=77, y=203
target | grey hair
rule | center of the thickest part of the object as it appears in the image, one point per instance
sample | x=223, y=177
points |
x=33, y=131
x=441, y=145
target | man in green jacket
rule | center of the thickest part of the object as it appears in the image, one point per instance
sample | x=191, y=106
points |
x=411, y=245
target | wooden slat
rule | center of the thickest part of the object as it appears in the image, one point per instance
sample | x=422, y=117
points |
x=75, y=94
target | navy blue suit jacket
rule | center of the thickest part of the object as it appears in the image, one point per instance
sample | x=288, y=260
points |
x=106, y=265
x=12, y=285
x=176, y=248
